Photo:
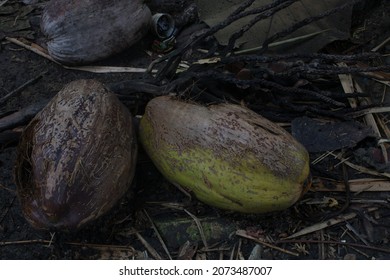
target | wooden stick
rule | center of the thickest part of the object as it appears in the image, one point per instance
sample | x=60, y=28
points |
x=356, y=185
x=200, y=228
x=351, y=228
x=379, y=249
x=31, y=47
x=102, y=246
x=148, y=247
x=158, y=234
x=24, y=242
x=3, y=2
x=327, y=223
x=242, y=233
x=381, y=45
x=362, y=168
x=21, y=117
x=21, y=88
x=374, y=110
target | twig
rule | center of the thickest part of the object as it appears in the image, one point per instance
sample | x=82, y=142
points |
x=268, y=84
x=331, y=70
x=100, y=246
x=347, y=196
x=310, y=56
x=305, y=22
x=52, y=235
x=22, y=116
x=3, y=2
x=200, y=228
x=158, y=235
x=242, y=233
x=31, y=47
x=232, y=252
x=148, y=247
x=362, y=168
x=21, y=88
x=327, y=223
x=351, y=228
x=242, y=7
x=374, y=110
x=379, y=249
x=282, y=42
x=377, y=48
x=268, y=13
x=286, y=57
x=360, y=252
x=321, y=247
x=356, y=185
x=24, y=242
x=107, y=69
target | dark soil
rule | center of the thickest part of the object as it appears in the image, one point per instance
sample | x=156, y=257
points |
x=120, y=233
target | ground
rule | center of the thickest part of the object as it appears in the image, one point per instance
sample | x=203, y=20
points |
x=153, y=207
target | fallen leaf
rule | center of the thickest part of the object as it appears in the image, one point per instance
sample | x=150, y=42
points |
x=320, y=136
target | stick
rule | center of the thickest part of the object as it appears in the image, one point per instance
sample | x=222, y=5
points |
x=200, y=228
x=23, y=242
x=102, y=246
x=282, y=42
x=326, y=224
x=336, y=243
x=374, y=110
x=242, y=233
x=158, y=235
x=21, y=117
x=361, y=168
x=150, y=249
x=3, y=2
x=31, y=47
x=351, y=228
x=357, y=185
x=21, y=88
x=377, y=48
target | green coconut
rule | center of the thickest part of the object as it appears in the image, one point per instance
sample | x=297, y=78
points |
x=226, y=155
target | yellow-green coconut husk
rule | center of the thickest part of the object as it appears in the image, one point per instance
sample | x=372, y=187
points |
x=226, y=155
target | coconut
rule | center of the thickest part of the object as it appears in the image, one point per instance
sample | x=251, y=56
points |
x=226, y=155
x=80, y=32
x=76, y=158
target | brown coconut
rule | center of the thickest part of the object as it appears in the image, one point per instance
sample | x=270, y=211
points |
x=80, y=32
x=76, y=158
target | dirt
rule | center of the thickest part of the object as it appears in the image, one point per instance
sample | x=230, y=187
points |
x=121, y=234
